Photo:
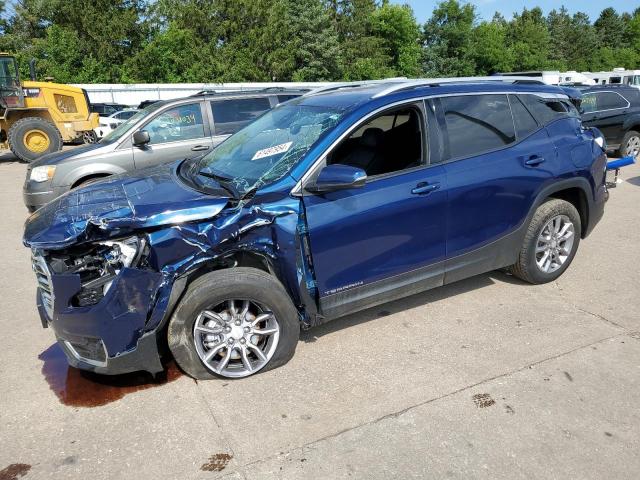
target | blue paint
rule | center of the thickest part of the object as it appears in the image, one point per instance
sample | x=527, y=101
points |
x=620, y=162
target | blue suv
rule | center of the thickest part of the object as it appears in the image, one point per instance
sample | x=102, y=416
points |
x=331, y=203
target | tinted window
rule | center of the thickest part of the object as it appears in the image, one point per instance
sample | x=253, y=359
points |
x=125, y=115
x=524, y=121
x=610, y=101
x=477, y=123
x=546, y=110
x=284, y=98
x=231, y=115
x=183, y=122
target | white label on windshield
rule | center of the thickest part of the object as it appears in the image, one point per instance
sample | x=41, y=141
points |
x=268, y=152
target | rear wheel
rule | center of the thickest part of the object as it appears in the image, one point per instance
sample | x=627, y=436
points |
x=630, y=144
x=89, y=136
x=550, y=243
x=30, y=138
x=233, y=323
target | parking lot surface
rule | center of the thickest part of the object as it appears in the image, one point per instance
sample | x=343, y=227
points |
x=486, y=378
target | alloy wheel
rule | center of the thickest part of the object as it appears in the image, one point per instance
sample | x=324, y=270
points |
x=633, y=146
x=555, y=243
x=236, y=338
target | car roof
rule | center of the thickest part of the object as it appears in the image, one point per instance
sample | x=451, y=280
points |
x=350, y=96
x=609, y=86
x=222, y=94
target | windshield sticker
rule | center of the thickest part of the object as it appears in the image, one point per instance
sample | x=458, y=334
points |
x=269, y=152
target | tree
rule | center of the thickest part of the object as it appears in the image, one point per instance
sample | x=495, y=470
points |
x=315, y=44
x=610, y=28
x=529, y=38
x=77, y=40
x=447, y=40
x=573, y=40
x=488, y=46
x=363, y=53
x=400, y=34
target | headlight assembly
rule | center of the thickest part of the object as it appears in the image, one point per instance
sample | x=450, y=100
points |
x=122, y=253
x=43, y=173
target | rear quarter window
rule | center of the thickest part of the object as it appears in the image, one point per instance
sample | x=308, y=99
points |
x=477, y=124
x=546, y=110
x=524, y=122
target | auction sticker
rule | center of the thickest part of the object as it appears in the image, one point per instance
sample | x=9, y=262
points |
x=275, y=150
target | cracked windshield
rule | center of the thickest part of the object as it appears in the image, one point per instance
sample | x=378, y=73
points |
x=266, y=149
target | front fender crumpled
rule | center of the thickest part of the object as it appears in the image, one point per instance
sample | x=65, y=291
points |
x=272, y=232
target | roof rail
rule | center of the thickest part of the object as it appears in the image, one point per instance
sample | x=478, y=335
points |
x=250, y=91
x=338, y=86
x=428, y=82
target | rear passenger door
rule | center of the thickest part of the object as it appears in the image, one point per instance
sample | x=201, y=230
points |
x=230, y=115
x=494, y=172
x=177, y=132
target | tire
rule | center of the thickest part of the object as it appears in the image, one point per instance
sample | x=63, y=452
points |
x=526, y=268
x=630, y=144
x=31, y=137
x=89, y=137
x=207, y=294
x=88, y=181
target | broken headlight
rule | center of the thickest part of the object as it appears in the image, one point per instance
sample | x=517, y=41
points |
x=99, y=267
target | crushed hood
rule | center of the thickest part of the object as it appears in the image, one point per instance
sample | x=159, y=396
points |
x=143, y=199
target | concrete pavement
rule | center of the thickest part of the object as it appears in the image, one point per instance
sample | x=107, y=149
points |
x=486, y=378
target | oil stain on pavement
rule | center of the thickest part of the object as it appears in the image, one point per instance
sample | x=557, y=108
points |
x=217, y=462
x=483, y=400
x=14, y=471
x=77, y=388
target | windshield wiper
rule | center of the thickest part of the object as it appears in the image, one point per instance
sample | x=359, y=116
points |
x=225, y=182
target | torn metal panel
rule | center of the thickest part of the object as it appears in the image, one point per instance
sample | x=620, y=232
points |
x=119, y=206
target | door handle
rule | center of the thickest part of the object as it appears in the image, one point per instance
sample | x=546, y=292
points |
x=199, y=148
x=423, y=188
x=534, y=161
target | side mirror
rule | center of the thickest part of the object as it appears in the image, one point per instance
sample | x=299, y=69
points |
x=338, y=177
x=141, y=138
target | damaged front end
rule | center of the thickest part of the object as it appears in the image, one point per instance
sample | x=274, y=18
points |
x=112, y=261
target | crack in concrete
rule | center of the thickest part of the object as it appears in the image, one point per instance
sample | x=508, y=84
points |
x=225, y=438
x=401, y=412
x=597, y=315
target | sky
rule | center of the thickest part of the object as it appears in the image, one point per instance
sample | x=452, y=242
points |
x=486, y=8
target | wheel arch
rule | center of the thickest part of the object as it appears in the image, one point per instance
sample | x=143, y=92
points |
x=576, y=191
x=92, y=176
x=75, y=176
x=631, y=123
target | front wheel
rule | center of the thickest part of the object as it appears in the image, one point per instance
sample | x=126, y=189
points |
x=30, y=138
x=233, y=323
x=550, y=243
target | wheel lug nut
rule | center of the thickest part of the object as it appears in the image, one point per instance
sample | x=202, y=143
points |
x=247, y=329
x=242, y=340
x=230, y=341
x=238, y=322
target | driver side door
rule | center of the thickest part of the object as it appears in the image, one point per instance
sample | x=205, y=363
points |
x=177, y=132
x=385, y=239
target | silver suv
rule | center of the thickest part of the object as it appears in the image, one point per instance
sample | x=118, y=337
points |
x=164, y=131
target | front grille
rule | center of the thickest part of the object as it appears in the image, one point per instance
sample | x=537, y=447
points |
x=44, y=282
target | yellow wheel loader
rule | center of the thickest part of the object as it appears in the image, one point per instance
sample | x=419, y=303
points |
x=37, y=117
